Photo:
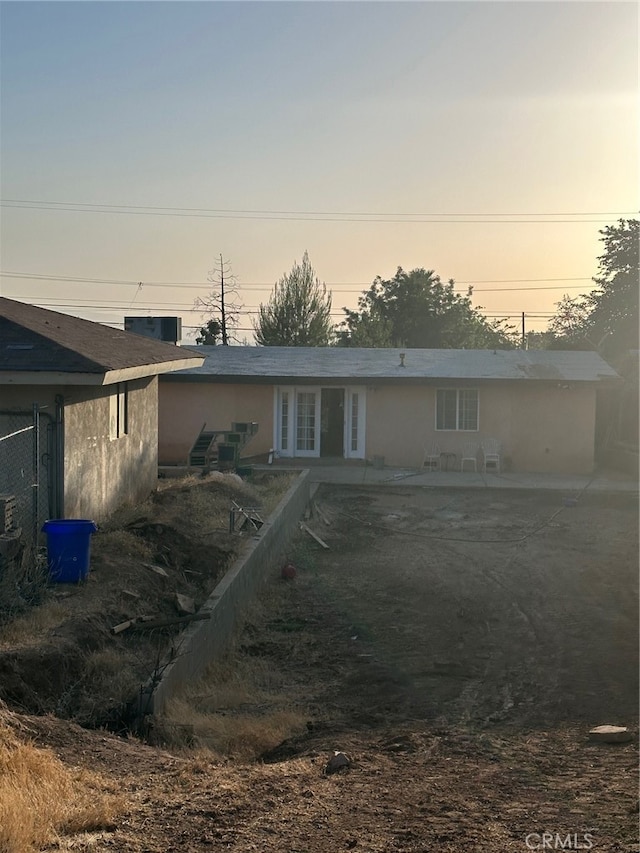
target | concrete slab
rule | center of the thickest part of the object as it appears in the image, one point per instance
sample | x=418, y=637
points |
x=359, y=474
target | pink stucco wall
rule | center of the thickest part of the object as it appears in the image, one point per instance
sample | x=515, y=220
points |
x=543, y=428
x=185, y=406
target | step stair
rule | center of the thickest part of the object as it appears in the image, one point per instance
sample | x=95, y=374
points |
x=221, y=447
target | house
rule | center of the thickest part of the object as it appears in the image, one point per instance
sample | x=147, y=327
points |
x=343, y=403
x=93, y=390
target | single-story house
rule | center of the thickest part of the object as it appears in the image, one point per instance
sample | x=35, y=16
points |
x=96, y=390
x=365, y=403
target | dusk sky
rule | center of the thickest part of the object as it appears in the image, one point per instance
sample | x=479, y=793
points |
x=140, y=140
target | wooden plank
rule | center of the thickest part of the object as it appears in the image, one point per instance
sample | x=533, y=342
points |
x=148, y=625
x=308, y=530
x=157, y=569
x=321, y=515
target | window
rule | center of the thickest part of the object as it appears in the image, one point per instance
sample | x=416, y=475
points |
x=284, y=420
x=457, y=409
x=354, y=422
x=118, y=411
x=306, y=421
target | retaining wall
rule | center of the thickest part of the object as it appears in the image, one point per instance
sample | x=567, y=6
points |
x=203, y=642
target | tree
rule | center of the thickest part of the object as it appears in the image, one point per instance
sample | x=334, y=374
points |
x=209, y=333
x=220, y=305
x=566, y=329
x=298, y=313
x=606, y=319
x=416, y=309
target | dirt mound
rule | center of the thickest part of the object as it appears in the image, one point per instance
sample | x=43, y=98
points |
x=63, y=657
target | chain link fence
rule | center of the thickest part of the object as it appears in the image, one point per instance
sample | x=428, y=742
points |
x=25, y=456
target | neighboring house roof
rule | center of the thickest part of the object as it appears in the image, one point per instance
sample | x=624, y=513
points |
x=38, y=346
x=320, y=364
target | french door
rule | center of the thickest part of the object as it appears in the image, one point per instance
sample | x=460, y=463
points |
x=298, y=422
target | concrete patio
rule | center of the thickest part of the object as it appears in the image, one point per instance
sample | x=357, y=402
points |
x=358, y=473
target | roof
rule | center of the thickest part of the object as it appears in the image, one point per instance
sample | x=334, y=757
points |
x=38, y=346
x=353, y=365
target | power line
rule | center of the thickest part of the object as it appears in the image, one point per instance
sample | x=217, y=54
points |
x=102, y=306
x=89, y=205
x=257, y=285
x=273, y=216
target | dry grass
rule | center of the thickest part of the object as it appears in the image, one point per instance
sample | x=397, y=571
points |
x=122, y=543
x=40, y=799
x=238, y=710
x=31, y=625
x=242, y=737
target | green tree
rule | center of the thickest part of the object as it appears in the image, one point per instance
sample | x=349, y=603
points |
x=416, y=309
x=606, y=319
x=567, y=328
x=298, y=313
x=209, y=334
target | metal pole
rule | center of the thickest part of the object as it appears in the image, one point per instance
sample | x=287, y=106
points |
x=35, y=491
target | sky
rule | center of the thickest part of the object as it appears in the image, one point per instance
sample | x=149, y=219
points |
x=140, y=141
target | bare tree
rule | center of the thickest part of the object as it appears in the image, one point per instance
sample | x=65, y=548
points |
x=222, y=305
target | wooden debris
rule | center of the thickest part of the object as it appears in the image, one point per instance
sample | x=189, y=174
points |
x=321, y=515
x=129, y=623
x=157, y=569
x=148, y=623
x=165, y=623
x=184, y=604
x=129, y=593
x=250, y=515
x=308, y=530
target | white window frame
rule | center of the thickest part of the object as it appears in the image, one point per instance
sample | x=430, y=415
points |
x=459, y=410
x=355, y=431
x=285, y=421
x=119, y=411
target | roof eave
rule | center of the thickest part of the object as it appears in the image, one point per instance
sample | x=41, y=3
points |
x=107, y=377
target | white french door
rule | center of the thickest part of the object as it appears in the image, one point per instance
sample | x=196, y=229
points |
x=297, y=421
x=354, y=423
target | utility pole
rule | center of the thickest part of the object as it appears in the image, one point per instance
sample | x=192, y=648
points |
x=223, y=315
x=524, y=336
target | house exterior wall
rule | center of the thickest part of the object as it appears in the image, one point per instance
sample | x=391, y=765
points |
x=542, y=427
x=102, y=473
x=185, y=406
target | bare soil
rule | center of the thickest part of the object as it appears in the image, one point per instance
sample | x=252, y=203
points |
x=457, y=645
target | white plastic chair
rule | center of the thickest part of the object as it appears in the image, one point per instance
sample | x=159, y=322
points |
x=491, y=455
x=431, y=459
x=470, y=455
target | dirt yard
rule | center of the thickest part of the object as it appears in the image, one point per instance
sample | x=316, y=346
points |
x=457, y=645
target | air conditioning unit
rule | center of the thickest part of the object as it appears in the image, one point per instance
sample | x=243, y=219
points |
x=161, y=328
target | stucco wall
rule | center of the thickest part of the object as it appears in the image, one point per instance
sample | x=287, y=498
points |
x=185, y=406
x=103, y=473
x=543, y=428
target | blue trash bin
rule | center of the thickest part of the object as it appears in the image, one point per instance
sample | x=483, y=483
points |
x=68, y=548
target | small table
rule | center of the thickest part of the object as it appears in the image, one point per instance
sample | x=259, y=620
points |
x=448, y=461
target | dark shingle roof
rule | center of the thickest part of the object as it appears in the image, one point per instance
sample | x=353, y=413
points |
x=307, y=364
x=35, y=339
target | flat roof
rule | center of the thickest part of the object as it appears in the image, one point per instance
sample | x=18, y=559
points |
x=308, y=364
